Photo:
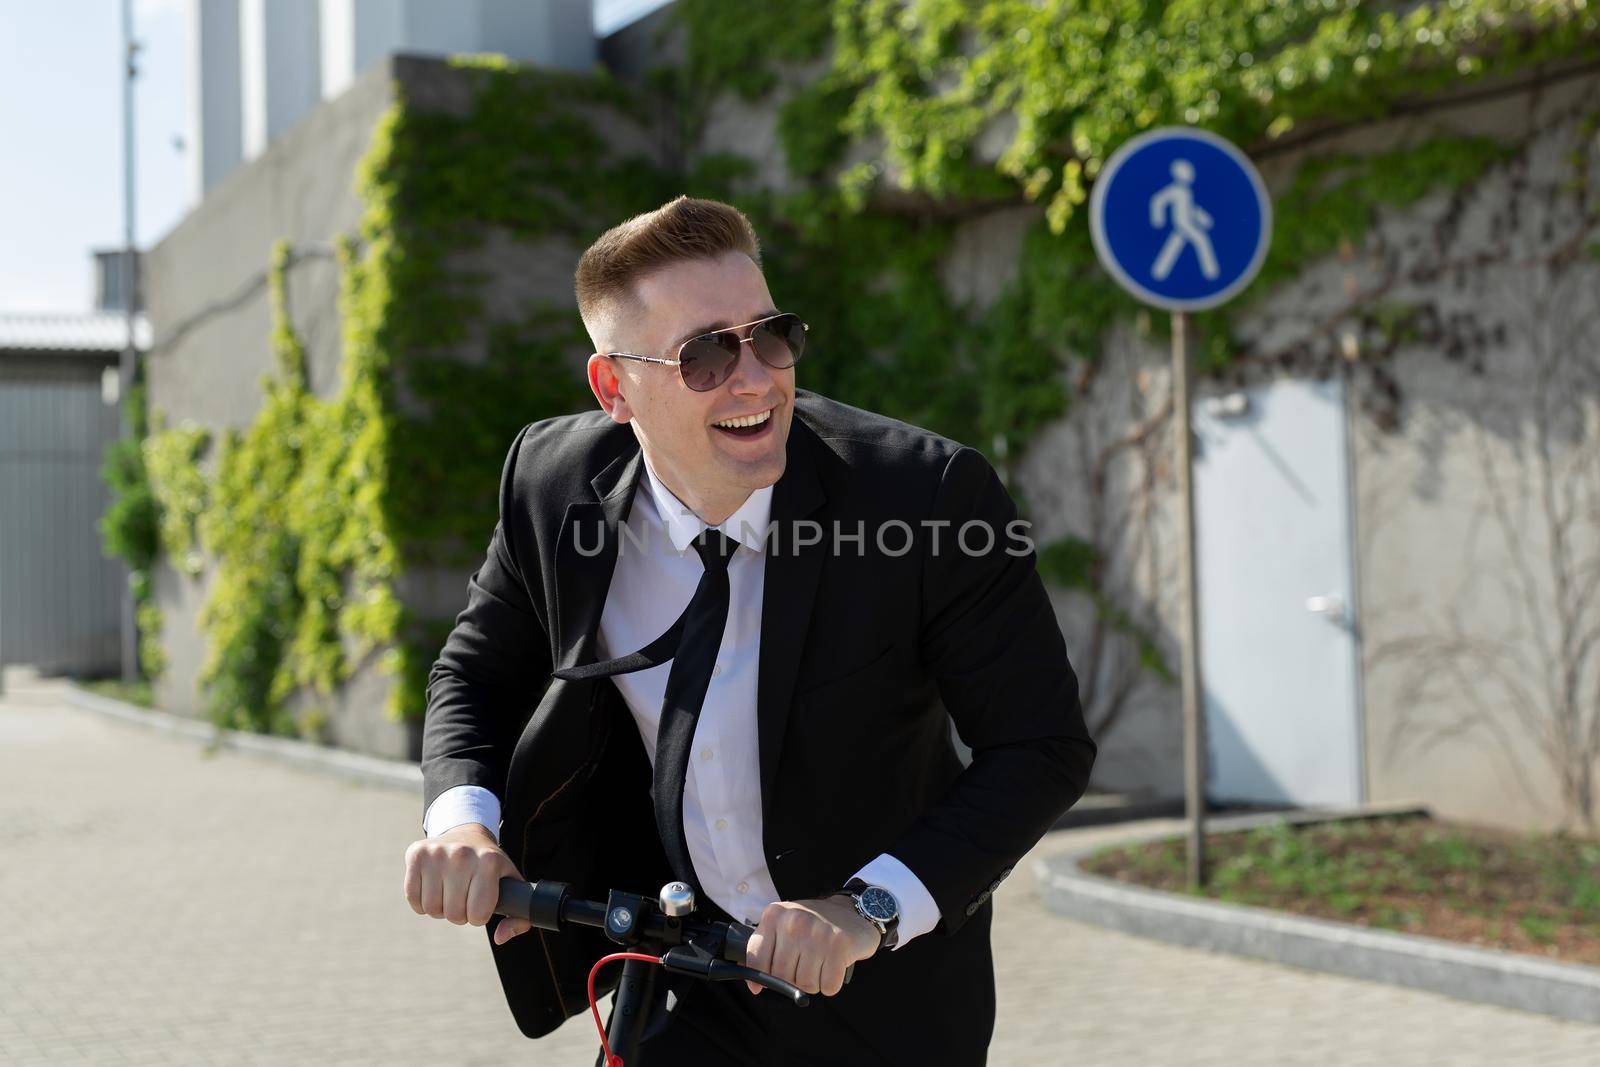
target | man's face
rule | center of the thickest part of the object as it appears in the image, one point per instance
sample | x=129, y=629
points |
x=709, y=467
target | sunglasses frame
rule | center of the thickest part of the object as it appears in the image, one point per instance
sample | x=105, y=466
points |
x=804, y=326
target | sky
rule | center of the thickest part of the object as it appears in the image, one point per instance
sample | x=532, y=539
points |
x=61, y=137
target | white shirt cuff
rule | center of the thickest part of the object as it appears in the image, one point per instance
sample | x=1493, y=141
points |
x=918, y=912
x=461, y=804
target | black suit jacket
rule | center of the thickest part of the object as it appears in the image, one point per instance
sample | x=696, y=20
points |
x=865, y=643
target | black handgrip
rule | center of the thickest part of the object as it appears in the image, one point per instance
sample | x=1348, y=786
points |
x=736, y=942
x=538, y=902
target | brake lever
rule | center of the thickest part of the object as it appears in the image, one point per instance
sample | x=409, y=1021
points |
x=693, y=960
x=723, y=971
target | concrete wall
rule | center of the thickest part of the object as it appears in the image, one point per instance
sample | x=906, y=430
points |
x=209, y=310
x=1479, y=521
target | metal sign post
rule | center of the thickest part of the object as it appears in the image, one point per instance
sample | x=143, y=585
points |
x=1181, y=220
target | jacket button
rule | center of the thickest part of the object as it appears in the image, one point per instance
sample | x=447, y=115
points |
x=972, y=909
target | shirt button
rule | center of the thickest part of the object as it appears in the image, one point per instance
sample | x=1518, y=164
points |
x=722, y=824
x=717, y=670
x=705, y=753
x=743, y=887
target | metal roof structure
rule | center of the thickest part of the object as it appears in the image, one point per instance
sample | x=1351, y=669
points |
x=92, y=331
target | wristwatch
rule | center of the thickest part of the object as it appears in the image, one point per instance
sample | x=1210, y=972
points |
x=878, y=906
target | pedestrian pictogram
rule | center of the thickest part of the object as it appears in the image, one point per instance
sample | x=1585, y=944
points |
x=1180, y=218
x=1190, y=222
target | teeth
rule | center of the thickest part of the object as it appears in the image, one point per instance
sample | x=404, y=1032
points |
x=747, y=420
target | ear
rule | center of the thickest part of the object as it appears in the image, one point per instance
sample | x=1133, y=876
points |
x=607, y=388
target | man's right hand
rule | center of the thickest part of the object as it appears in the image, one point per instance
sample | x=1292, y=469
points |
x=456, y=876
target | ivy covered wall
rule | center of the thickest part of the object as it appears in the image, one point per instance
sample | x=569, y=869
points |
x=333, y=533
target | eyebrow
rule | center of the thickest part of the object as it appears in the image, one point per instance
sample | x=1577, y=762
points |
x=713, y=327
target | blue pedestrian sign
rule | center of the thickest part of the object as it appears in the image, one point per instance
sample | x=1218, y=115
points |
x=1180, y=218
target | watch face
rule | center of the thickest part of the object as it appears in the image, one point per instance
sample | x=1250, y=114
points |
x=879, y=903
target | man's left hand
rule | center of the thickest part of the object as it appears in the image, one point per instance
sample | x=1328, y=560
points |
x=811, y=942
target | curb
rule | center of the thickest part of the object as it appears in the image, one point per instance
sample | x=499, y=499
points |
x=354, y=766
x=1486, y=976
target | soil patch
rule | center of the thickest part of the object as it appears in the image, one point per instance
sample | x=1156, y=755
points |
x=1532, y=893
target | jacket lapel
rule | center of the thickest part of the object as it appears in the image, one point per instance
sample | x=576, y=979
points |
x=586, y=557
x=791, y=584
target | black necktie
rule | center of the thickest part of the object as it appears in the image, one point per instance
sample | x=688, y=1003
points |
x=692, y=643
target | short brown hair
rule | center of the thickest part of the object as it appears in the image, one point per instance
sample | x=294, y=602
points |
x=679, y=230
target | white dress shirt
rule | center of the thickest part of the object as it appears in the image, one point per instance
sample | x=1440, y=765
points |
x=655, y=577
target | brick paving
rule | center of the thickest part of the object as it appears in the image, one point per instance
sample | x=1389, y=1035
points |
x=164, y=904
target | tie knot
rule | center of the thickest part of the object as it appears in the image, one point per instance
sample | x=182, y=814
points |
x=715, y=548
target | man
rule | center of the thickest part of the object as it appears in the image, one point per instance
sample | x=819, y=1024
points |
x=586, y=724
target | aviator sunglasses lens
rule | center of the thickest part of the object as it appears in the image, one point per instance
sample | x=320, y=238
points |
x=706, y=361
x=779, y=340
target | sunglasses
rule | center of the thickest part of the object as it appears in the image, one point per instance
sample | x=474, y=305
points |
x=708, y=360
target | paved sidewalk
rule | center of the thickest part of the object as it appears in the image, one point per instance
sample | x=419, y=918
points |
x=159, y=904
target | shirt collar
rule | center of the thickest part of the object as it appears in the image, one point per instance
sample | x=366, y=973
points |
x=747, y=526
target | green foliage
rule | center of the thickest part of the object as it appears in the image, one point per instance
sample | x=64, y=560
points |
x=172, y=457
x=131, y=526
x=255, y=600
x=738, y=49
x=1061, y=83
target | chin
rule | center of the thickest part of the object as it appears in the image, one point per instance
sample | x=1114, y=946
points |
x=755, y=474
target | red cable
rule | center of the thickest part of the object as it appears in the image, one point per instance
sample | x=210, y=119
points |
x=594, y=1007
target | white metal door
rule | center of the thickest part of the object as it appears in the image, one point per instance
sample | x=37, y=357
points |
x=1278, y=659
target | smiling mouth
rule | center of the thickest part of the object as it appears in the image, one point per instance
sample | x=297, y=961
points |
x=746, y=425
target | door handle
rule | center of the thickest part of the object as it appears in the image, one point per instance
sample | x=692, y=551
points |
x=1329, y=607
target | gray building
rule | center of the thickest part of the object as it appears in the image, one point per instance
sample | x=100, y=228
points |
x=60, y=596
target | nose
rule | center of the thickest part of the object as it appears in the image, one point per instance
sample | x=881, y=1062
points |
x=750, y=376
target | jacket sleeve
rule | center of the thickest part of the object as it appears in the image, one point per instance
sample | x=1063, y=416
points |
x=990, y=639
x=495, y=663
